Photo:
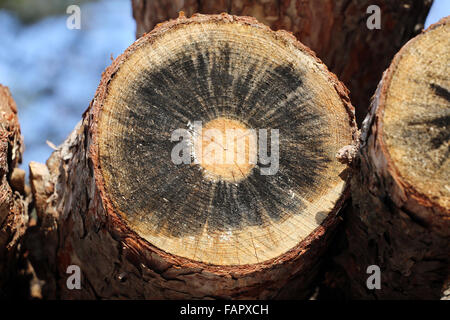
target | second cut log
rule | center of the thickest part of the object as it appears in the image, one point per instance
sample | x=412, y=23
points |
x=400, y=220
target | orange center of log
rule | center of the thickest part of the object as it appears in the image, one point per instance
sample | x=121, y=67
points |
x=226, y=149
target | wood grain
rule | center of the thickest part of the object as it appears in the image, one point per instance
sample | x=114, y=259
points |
x=335, y=29
x=236, y=71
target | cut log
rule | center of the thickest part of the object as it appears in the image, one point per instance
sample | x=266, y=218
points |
x=13, y=207
x=401, y=195
x=335, y=29
x=141, y=226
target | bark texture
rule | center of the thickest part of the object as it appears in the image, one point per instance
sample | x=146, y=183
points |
x=335, y=29
x=79, y=226
x=13, y=207
x=392, y=225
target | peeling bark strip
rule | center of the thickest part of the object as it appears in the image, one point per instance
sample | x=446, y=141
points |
x=13, y=209
x=140, y=226
x=335, y=29
x=401, y=196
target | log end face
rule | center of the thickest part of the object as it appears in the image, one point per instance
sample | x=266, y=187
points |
x=225, y=72
x=415, y=113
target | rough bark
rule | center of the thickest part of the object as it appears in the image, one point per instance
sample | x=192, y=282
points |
x=79, y=225
x=396, y=223
x=13, y=206
x=335, y=29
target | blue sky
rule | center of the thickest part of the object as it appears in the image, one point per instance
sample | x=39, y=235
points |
x=440, y=9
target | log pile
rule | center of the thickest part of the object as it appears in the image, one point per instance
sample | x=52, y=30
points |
x=112, y=201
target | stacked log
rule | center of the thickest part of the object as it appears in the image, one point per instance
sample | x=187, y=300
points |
x=400, y=220
x=13, y=206
x=140, y=226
